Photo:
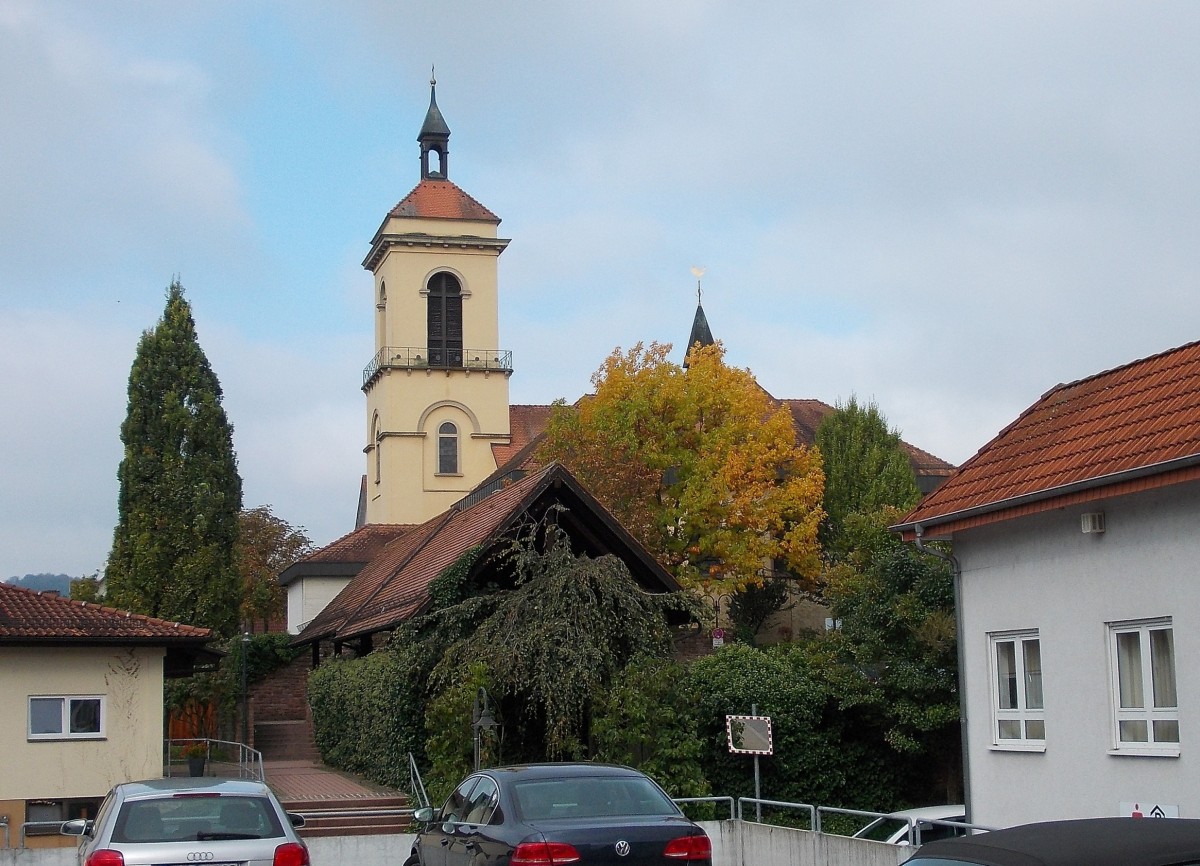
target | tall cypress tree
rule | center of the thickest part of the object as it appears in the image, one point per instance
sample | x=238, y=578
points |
x=180, y=493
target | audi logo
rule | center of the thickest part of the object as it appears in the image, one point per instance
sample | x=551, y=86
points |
x=198, y=856
x=622, y=848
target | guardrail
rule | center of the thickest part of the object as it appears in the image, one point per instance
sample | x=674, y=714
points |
x=248, y=762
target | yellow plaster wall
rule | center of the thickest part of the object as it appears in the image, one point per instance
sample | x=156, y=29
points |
x=411, y=404
x=132, y=683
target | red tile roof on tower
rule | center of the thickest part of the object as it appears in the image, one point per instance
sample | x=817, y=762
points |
x=437, y=198
x=1131, y=428
x=28, y=616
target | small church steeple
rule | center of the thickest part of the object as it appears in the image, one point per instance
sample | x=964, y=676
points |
x=434, y=138
x=700, y=331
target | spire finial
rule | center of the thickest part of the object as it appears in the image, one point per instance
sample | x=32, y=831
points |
x=432, y=75
x=698, y=272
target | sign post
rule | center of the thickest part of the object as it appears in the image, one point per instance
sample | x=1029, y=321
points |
x=751, y=735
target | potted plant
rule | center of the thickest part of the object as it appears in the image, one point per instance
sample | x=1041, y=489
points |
x=196, y=752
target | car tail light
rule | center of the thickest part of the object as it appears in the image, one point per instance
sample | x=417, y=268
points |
x=291, y=854
x=689, y=848
x=544, y=854
x=105, y=857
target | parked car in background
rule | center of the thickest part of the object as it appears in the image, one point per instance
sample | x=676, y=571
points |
x=193, y=820
x=916, y=826
x=1084, y=842
x=589, y=814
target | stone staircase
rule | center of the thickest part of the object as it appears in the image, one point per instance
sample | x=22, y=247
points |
x=357, y=816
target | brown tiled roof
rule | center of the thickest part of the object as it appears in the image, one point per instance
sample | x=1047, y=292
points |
x=1137, y=425
x=27, y=616
x=395, y=584
x=526, y=423
x=361, y=545
x=436, y=198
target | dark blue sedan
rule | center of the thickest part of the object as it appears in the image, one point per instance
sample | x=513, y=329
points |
x=550, y=814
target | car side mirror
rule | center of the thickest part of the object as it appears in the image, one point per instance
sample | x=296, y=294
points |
x=424, y=815
x=297, y=820
x=77, y=827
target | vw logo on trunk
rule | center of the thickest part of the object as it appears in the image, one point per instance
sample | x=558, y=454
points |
x=622, y=848
x=197, y=856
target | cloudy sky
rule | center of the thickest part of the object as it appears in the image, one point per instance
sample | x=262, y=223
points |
x=947, y=207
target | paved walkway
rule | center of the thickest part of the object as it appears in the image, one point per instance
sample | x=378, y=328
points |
x=311, y=780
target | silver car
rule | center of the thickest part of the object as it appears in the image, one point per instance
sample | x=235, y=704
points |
x=215, y=822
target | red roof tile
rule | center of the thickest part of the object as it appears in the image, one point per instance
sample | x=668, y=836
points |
x=441, y=199
x=1143, y=418
x=525, y=423
x=43, y=617
x=361, y=545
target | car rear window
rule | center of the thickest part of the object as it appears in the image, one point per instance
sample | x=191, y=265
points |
x=179, y=819
x=591, y=797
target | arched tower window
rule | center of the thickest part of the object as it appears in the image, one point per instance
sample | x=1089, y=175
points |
x=447, y=449
x=381, y=317
x=445, y=321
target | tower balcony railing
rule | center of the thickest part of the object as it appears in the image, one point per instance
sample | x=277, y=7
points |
x=423, y=358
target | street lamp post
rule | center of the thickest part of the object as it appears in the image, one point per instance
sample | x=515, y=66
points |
x=245, y=693
x=481, y=720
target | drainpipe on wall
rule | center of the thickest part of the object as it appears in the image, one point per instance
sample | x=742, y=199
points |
x=956, y=572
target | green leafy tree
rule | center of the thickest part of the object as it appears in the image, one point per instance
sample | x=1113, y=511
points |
x=266, y=546
x=892, y=661
x=180, y=493
x=698, y=464
x=647, y=719
x=818, y=757
x=86, y=588
x=866, y=469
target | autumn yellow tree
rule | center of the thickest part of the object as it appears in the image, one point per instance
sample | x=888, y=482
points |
x=697, y=463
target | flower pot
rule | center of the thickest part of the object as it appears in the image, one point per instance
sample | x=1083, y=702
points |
x=196, y=766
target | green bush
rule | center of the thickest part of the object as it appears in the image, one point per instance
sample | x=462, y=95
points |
x=817, y=758
x=647, y=720
x=368, y=714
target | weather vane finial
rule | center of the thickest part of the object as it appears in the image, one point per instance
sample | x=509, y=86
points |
x=698, y=272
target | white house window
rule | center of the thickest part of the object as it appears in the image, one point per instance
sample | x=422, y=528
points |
x=447, y=449
x=1145, y=706
x=1018, y=712
x=58, y=717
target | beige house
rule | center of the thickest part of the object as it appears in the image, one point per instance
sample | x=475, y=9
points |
x=83, y=703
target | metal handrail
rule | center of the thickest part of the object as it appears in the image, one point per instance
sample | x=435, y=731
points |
x=34, y=825
x=707, y=800
x=421, y=357
x=814, y=816
x=249, y=761
x=914, y=824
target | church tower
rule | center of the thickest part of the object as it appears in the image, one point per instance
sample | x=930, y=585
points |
x=437, y=387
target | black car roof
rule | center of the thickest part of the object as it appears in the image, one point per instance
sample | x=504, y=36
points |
x=564, y=770
x=1085, y=842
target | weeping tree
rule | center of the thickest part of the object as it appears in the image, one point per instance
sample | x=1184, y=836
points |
x=177, y=509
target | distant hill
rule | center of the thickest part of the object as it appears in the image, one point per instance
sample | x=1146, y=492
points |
x=60, y=582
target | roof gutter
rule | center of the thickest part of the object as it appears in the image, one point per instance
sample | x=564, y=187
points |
x=1052, y=492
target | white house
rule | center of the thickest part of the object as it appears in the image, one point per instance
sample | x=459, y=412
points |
x=1077, y=538
x=83, y=702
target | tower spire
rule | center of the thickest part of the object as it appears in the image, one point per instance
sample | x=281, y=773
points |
x=434, y=137
x=700, y=331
